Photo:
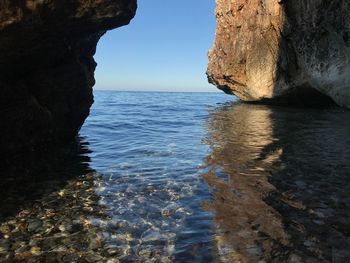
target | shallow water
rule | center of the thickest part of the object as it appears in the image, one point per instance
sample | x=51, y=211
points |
x=188, y=177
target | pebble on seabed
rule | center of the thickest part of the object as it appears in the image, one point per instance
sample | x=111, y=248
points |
x=56, y=230
x=59, y=230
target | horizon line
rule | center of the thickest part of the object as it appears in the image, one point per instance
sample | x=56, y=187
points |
x=165, y=91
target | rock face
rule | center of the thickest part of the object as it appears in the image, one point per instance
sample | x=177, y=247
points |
x=47, y=66
x=284, y=51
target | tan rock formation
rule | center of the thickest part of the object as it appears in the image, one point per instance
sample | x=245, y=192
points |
x=282, y=51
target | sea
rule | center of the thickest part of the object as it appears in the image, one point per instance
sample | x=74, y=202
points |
x=190, y=177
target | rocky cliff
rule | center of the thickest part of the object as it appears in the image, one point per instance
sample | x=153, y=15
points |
x=284, y=51
x=47, y=66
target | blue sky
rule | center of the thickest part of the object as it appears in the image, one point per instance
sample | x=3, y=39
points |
x=164, y=48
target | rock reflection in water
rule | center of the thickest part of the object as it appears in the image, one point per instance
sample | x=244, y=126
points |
x=280, y=183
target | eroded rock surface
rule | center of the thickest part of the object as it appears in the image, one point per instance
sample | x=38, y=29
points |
x=47, y=66
x=287, y=51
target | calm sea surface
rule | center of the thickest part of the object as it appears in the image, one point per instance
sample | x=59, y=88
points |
x=188, y=177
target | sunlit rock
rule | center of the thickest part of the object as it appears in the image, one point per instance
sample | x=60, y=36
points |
x=294, y=52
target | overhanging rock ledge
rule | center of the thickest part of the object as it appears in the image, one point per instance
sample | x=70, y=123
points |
x=47, y=67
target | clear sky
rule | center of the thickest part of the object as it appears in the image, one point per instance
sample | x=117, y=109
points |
x=164, y=48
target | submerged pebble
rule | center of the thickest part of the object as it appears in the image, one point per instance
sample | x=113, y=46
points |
x=70, y=258
x=34, y=225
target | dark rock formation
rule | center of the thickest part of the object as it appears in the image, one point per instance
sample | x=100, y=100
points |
x=283, y=51
x=47, y=66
